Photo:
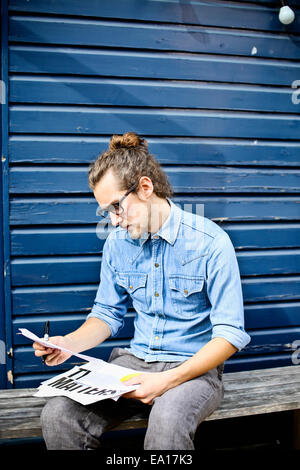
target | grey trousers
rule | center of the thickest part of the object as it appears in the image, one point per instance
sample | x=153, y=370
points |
x=173, y=417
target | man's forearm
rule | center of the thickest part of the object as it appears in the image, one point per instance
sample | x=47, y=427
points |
x=91, y=333
x=211, y=355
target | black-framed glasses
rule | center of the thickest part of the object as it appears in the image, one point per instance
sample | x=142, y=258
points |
x=116, y=207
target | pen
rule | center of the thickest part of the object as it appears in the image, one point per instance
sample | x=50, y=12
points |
x=46, y=337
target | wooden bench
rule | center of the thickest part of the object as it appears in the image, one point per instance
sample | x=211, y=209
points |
x=246, y=393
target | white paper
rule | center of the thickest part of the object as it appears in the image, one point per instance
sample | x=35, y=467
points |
x=48, y=344
x=94, y=381
x=87, y=384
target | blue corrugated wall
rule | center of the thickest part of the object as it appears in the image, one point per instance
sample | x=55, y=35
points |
x=210, y=86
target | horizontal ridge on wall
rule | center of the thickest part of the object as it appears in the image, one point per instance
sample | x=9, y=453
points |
x=230, y=14
x=156, y=65
x=57, y=149
x=85, y=269
x=152, y=94
x=80, y=210
x=80, y=297
x=177, y=122
x=181, y=38
x=258, y=316
x=72, y=180
x=67, y=240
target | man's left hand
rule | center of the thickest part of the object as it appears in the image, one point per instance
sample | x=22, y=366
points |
x=153, y=384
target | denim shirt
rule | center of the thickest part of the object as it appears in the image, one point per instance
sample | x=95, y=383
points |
x=183, y=282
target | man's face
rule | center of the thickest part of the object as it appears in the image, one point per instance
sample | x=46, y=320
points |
x=135, y=217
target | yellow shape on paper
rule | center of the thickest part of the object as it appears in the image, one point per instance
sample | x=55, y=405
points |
x=129, y=376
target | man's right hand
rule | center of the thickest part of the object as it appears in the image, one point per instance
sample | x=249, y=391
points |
x=54, y=356
x=92, y=333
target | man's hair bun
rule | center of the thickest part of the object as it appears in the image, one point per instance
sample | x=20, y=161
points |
x=129, y=140
x=128, y=158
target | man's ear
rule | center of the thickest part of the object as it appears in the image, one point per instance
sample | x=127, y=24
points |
x=145, y=188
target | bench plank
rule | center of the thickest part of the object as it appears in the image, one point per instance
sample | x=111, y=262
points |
x=255, y=383
x=20, y=428
x=21, y=402
x=246, y=393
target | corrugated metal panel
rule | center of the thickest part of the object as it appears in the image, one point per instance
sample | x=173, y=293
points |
x=209, y=84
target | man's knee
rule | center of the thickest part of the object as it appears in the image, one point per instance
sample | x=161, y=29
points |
x=168, y=429
x=63, y=428
x=56, y=410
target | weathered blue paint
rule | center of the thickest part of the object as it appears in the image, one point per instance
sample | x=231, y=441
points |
x=85, y=269
x=153, y=64
x=256, y=17
x=171, y=122
x=66, y=180
x=185, y=38
x=79, y=297
x=47, y=149
x=150, y=93
x=58, y=210
x=3, y=353
x=83, y=240
x=209, y=84
x=5, y=300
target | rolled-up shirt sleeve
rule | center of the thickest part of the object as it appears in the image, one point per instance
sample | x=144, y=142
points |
x=224, y=290
x=111, y=301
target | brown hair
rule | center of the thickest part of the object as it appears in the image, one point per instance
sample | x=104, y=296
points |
x=129, y=159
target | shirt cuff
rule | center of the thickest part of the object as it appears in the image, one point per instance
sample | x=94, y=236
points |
x=237, y=337
x=114, y=326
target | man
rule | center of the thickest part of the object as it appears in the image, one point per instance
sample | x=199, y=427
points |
x=181, y=274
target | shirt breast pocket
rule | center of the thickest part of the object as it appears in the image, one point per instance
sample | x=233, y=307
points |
x=135, y=284
x=187, y=294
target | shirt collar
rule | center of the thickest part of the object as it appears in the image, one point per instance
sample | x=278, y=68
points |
x=169, y=230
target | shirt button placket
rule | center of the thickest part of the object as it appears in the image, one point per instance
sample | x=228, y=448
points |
x=157, y=276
